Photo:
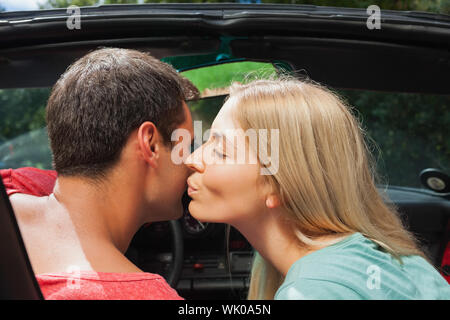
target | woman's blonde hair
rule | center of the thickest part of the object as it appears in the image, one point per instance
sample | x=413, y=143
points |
x=326, y=176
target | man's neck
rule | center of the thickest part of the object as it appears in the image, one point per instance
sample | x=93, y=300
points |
x=107, y=210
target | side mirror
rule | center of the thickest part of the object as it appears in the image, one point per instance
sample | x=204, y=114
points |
x=435, y=180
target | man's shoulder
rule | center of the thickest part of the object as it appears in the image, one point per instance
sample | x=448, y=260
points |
x=106, y=286
x=32, y=181
x=27, y=208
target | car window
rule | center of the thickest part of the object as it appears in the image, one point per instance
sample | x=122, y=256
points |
x=23, y=135
x=408, y=131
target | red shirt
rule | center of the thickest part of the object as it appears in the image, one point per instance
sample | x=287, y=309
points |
x=89, y=285
x=32, y=181
x=84, y=284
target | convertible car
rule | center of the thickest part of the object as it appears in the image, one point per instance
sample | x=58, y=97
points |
x=396, y=77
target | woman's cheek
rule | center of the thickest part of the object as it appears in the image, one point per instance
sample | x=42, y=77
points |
x=210, y=203
x=230, y=189
x=219, y=180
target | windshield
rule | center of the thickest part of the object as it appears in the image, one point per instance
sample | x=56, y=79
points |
x=435, y=6
x=407, y=132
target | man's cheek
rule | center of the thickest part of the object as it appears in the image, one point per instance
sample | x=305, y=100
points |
x=182, y=146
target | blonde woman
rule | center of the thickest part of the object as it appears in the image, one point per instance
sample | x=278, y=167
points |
x=320, y=228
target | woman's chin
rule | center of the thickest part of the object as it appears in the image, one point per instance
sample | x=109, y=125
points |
x=195, y=211
x=199, y=213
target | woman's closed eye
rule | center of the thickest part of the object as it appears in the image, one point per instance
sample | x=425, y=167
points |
x=220, y=154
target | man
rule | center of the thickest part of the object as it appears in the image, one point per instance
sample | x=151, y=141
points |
x=110, y=118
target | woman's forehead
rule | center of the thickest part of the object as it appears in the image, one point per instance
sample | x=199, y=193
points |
x=224, y=119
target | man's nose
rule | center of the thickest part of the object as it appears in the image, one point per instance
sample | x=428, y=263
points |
x=194, y=161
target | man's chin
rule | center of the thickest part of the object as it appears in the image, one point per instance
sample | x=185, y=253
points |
x=178, y=212
x=174, y=214
x=167, y=214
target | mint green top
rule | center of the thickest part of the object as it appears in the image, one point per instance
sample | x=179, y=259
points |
x=355, y=268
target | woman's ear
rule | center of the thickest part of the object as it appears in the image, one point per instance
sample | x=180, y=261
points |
x=269, y=193
x=149, y=143
x=273, y=201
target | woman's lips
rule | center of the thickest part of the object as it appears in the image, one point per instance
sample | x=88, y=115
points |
x=191, y=190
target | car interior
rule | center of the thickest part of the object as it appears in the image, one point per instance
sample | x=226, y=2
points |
x=406, y=63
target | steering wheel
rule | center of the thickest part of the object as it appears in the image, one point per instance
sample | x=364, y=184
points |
x=177, y=254
x=177, y=244
x=173, y=274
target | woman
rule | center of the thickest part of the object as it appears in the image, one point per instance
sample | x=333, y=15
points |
x=320, y=228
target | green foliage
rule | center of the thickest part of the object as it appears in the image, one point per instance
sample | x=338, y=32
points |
x=189, y=1
x=21, y=111
x=67, y=3
x=23, y=142
x=222, y=75
x=411, y=131
x=442, y=6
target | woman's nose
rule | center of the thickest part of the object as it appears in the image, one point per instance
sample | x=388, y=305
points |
x=194, y=161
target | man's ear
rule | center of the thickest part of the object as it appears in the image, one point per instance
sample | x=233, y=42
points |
x=149, y=141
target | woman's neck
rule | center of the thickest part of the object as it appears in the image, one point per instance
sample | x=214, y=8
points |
x=271, y=235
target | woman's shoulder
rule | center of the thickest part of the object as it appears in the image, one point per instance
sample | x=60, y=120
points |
x=356, y=268
x=316, y=289
x=328, y=273
x=354, y=254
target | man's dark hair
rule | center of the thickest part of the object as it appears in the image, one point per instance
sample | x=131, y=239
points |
x=101, y=99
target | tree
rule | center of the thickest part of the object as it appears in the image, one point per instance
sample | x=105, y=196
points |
x=66, y=3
